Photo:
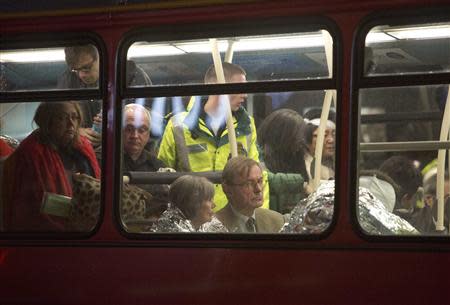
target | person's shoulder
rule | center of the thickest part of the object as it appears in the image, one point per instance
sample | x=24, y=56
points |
x=224, y=213
x=31, y=141
x=83, y=141
x=152, y=159
x=179, y=120
x=285, y=181
x=5, y=149
x=31, y=147
x=261, y=212
x=136, y=76
x=69, y=80
x=268, y=221
x=227, y=218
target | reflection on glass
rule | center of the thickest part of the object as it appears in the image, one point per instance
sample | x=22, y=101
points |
x=71, y=67
x=266, y=57
x=181, y=134
x=412, y=49
x=53, y=176
x=399, y=142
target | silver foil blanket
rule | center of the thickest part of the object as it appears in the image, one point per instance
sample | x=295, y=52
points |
x=313, y=214
x=214, y=226
x=173, y=220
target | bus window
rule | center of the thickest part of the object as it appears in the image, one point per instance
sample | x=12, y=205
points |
x=51, y=147
x=394, y=50
x=259, y=179
x=49, y=181
x=403, y=130
x=70, y=67
x=268, y=57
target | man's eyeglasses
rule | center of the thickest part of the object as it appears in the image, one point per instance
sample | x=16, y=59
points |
x=65, y=117
x=85, y=69
x=141, y=130
x=250, y=183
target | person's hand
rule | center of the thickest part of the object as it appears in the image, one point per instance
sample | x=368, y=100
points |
x=308, y=188
x=97, y=119
x=166, y=170
x=94, y=137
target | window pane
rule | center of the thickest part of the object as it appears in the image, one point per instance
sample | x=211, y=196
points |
x=284, y=142
x=72, y=67
x=399, y=141
x=50, y=182
x=412, y=49
x=268, y=57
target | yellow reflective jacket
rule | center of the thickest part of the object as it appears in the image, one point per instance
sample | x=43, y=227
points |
x=189, y=145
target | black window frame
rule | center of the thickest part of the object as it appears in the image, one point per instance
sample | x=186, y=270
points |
x=219, y=30
x=359, y=82
x=55, y=40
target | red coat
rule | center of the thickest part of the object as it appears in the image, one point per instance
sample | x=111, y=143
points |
x=5, y=149
x=35, y=168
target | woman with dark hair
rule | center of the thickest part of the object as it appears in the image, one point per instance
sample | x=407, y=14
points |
x=43, y=165
x=190, y=205
x=281, y=138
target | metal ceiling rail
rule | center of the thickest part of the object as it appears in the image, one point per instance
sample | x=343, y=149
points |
x=404, y=146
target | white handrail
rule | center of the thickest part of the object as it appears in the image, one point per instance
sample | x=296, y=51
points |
x=221, y=80
x=320, y=137
x=230, y=51
x=328, y=43
x=330, y=95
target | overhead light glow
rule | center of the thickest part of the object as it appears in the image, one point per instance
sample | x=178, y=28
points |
x=422, y=32
x=425, y=32
x=377, y=37
x=243, y=44
x=28, y=56
x=159, y=49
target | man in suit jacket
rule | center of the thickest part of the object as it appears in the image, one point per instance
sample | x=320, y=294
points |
x=242, y=183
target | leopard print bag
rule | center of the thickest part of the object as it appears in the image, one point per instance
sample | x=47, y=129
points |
x=86, y=204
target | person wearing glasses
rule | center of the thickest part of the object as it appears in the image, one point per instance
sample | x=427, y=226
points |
x=40, y=170
x=83, y=72
x=243, y=185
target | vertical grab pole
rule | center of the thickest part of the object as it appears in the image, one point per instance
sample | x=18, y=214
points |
x=221, y=80
x=230, y=51
x=329, y=96
x=329, y=57
x=328, y=43
x=321, y=136
x=441, y=165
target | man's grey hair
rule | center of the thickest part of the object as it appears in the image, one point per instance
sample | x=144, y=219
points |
x=136, y=108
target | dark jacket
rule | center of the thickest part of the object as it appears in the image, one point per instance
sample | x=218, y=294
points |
x=148, y=162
